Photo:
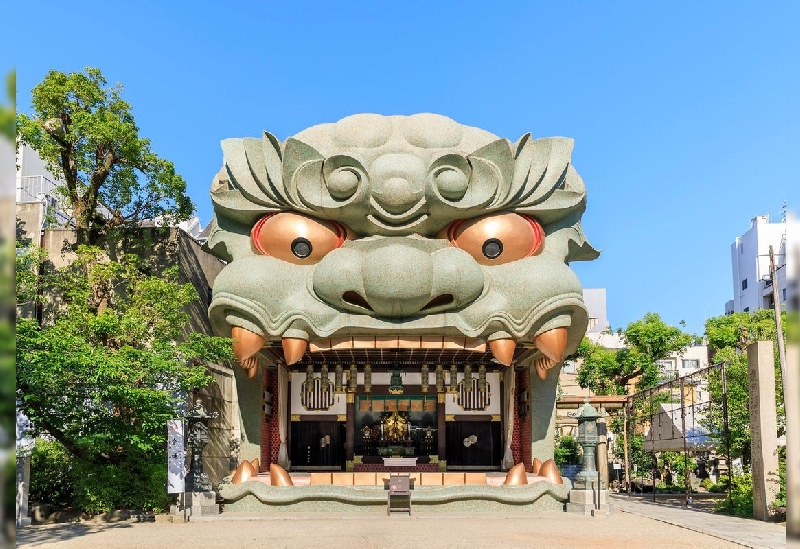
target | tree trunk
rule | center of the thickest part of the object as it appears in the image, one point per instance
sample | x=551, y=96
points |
x=82, y=222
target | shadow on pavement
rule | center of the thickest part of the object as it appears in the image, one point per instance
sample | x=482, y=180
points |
x=34, y=535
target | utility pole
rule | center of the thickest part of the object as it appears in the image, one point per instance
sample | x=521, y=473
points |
x=776, y=305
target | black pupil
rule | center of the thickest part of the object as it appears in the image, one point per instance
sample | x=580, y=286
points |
x=301, y=247
x=492, y=248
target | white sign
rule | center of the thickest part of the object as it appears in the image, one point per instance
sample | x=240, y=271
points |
x=617, y=466
x=176, y=457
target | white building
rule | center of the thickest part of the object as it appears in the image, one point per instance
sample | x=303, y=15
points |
x=752, y=285
x=595, y=300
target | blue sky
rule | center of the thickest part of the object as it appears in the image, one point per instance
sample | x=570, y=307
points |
x=685, y=114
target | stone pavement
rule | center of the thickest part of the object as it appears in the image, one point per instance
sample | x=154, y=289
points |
x=544, y=530
x=746, y=532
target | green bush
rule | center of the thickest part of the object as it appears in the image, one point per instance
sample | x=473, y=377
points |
x=675, y=463
x=670, y=489
x=780, y=499
x=51, y=474
x=567, y=450
x=741, y=497
x=134, y=484
x=707, y=483
x=57, y=479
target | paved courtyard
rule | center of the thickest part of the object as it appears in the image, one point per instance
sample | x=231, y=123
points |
x=632, y=526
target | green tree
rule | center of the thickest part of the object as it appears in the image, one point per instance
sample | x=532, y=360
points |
x=610, y=371
x=728, y=337
x=86, y=134
x=109, y=368
x=567, y=450
x=8, y=112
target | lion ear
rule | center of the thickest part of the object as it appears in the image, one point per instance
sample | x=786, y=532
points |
x=300, y=161
x=253, y=167
x=493, y=163
x=539, y=167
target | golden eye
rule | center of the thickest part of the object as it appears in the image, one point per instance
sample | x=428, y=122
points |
x=296, y=238
x=496, y=239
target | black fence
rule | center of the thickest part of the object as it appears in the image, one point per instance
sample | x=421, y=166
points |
x=676, y=437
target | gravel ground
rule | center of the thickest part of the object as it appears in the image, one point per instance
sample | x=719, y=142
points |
x=555, y=530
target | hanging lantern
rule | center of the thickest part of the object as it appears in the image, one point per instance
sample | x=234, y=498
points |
x=337, y=379
x=353, y=378
x=367, y=378
x=467, y=377
x=482, y=378
x=453, y=378
x=324, y=380
x=439, y=379
x=310, y=378
x=424, y=384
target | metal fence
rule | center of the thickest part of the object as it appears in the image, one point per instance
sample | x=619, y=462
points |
x=676, y=435
x=31, y=188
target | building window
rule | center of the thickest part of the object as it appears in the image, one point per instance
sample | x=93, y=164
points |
x=744, y=284
x=690, y=363
x=666, y=365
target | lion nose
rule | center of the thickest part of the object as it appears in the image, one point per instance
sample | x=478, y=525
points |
x=397, y=280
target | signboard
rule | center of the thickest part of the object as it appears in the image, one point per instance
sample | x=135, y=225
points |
x=398, y=484
x=176, y=457
x=617, y=466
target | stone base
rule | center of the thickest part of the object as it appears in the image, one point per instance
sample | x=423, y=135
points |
x=589, y=502
x=201, y=504
x=23, y=521
x=590, y=510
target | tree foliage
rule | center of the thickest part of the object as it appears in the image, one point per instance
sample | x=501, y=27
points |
x=86, y=134
x=610, y=371
x=566, y=450
x=111, y=366
x=8, y=112
x=728, y=338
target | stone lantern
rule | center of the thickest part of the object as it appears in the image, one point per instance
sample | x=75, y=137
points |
x=200, y=498
x=587, y=497
x=588, y=438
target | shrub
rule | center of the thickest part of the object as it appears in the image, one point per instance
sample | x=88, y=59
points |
x=567, y=450
x=721, y=486
x=134, y=484
x=51, y=474
x=780, y=500
x=741, y=497
x=707, y=483
x=57, y=479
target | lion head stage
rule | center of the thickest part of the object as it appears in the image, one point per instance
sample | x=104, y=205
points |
x=403, y=226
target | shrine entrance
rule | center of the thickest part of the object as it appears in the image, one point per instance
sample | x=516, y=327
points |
x=401, y=410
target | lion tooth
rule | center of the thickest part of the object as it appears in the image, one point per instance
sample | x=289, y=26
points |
x=552, y=344
x=543, y=365
x=244, y=472
x=503, y=350
x=549, y=469
x=293, y=349
x=245, y=343
x=250, y=366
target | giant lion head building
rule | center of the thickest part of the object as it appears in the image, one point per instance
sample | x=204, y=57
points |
x=398, y=286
